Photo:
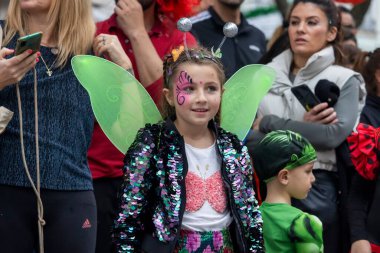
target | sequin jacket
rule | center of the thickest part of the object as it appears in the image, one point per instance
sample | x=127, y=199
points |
x=153, y=196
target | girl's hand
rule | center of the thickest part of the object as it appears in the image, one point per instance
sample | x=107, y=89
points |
x=321, y=113
x=361, y=246
x=14, y=69
x=109, y=45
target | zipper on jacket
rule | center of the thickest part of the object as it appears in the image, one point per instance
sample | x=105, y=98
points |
x=236, y=217
x=232, y=204
x=183, y=187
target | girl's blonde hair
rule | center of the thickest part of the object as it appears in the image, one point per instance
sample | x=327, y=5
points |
x=200, y=56
x=70, y=21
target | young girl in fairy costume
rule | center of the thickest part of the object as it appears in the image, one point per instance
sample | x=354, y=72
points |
x=187, y=182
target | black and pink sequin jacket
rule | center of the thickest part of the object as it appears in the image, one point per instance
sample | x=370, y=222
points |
x=153, y=196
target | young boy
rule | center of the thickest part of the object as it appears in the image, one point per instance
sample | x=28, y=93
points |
x=284, y=161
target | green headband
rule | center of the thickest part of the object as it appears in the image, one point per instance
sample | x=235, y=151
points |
x=281, y=150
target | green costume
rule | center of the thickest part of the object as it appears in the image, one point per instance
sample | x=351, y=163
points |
x=288, y=230
x=281, y=150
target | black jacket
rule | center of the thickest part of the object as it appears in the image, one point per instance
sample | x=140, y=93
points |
x=153, y=199
x=245, y=48
x=364, y=198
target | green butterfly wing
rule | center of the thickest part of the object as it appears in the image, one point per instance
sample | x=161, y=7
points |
x=120, y=103
x=242, y=95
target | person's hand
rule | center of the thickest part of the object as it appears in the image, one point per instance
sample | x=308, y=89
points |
x=256, y=123
x=12, y=70
x=321, y=113
x=130, y=17
x=109, y=46
x=361, y=246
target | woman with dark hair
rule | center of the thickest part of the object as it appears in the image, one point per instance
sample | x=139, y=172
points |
x=364, y=197
x=314, y=60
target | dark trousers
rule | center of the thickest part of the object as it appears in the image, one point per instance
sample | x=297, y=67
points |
x=106, y=191
x=322, y=202
x=70, y=221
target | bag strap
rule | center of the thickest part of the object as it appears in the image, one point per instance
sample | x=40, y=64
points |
x=1, y=37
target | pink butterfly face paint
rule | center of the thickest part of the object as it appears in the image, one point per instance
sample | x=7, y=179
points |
x=196, y=91
x=183, y=84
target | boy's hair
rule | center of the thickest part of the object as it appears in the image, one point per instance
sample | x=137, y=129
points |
x=200, y=56
x=281, y=150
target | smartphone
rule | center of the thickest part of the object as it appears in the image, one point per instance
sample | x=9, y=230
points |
x=31, y=41
x=305, y=96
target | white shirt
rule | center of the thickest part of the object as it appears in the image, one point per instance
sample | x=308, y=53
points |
x=205, y=167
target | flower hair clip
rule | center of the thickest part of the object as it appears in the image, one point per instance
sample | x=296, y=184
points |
x=176, y=52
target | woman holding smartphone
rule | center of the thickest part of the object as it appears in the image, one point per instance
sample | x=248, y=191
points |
x=314, y=55
x=45, y=182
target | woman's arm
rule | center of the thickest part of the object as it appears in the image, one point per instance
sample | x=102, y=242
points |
x=130, y=17
x=361, y=246
x=323, y=136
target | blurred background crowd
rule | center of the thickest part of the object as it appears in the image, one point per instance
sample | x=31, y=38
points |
x=268, y=15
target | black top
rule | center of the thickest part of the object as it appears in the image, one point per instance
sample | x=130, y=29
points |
x=245, y=48
x=364, y=199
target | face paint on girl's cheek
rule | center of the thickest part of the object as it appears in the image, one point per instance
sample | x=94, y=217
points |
x=184, y=80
